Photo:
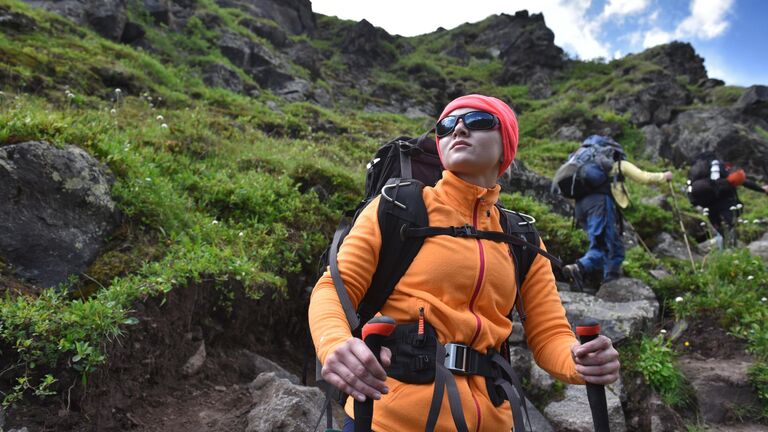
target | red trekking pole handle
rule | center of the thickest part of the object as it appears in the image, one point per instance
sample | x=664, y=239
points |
x=589, y=329
x=374, y=333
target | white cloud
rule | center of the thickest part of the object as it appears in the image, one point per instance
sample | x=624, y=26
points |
x=622, y=8
x=708, y=20
x=655, y=37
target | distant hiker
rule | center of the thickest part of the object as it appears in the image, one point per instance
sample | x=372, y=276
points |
x=712, y=186
x=455, y=297
x=594, y=176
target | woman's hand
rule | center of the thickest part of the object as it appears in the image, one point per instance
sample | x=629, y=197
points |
x=597, y=360
x=353, y=369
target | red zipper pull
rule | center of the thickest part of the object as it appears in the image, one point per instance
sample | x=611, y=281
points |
x=421, y=321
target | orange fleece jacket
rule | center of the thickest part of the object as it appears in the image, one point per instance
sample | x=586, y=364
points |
x=466, y=287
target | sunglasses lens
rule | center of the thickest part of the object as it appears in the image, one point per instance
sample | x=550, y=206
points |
x=479, y=120
x=445, y=126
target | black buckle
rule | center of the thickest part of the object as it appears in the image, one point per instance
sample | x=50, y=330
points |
x=457, y=358
x=465, y=231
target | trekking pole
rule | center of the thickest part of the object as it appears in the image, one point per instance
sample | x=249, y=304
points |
x=682, y=226
x=374, y=333
x=589, y=329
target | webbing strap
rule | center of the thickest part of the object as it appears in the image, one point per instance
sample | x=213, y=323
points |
x=515, y=400
x=511, y=376
x=444, y=379
x=338, y=282
x=469, y=231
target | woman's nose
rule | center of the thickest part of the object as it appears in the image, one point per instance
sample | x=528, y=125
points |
x=461, y=128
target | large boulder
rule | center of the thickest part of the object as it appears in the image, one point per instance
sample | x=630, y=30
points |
x=57, y=210
x=526, y=46
x=654, y=101
x=668, y=246
x=722, y=387
x=618, y=320
x=732, y=136
x=678, y=59
x=280, y=405
x=293, y=16
x=106, y=17
x=365, y=46
x=754, y=102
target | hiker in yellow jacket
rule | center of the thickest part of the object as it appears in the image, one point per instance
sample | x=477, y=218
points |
x=460, y=286
x=596, y=213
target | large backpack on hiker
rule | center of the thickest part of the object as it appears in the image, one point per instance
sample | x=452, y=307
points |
x=708, y=180
x=398, y=172
x=587, y=170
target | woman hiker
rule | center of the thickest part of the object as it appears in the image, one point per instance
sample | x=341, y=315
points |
x=457, y=285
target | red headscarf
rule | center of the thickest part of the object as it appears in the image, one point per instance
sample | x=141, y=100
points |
x=499, y=109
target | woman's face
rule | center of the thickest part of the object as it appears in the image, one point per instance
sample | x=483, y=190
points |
x=471, y=152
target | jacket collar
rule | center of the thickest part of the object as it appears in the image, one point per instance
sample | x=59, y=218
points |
x=463, y=195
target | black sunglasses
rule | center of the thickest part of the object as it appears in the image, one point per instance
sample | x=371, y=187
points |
x=473, y=120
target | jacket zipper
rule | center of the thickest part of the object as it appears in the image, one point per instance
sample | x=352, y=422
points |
x=478, y=285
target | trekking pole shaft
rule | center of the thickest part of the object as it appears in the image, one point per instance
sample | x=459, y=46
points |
x=682, y=226
x=589, y=330
x=374, y=333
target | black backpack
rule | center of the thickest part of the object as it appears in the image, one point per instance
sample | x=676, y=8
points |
x=587, y=169
x=398, y=172
x=708, y=180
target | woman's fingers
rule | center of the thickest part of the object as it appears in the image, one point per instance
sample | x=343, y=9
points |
x=597, y=361
x=353, y=369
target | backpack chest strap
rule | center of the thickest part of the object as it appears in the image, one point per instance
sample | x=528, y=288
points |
x=472, y=232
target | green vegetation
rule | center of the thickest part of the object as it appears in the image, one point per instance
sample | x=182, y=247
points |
x=654, y=358
x=244, y=191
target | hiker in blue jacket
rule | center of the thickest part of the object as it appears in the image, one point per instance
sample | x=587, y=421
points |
x=597, y=214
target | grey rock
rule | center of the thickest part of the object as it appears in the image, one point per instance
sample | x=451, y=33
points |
x=520, y=179
x=659, y=201
x=159, y=10
x=759, y=247
x=654, y=138
x=667, y=246
x=196, y=362
x=521, y=360
x=236, y=48
x=662, y=417
x=541, y=379
x=569, y=133
x=293, y=16
x=618, y=320
x=625, y=290
x=678, y=58
x=280, y=405
x=268, y=30
x=219, y=75
x=16, y=22
x=107, y=17
x=754, y=102
x=652, y=103
x=265, y=365
x=572, y=413
x=57, y=210
x=366, y=46
x=722, y=387
x=659, y=274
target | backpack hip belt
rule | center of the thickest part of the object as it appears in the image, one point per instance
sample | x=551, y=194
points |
x=419, y=358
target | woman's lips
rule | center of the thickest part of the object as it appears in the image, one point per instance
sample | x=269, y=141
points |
x=460, y=143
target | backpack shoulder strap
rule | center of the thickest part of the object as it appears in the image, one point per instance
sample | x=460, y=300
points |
x=521, y=225
x=401, y=207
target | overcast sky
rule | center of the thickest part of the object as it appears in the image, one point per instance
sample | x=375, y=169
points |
x=731, y=35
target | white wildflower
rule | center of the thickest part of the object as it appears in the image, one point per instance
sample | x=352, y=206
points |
x=750, y=277
x=756, y=221
x=164, y=126
x=149, y=179
x=118, y=91
x=215, y=222
x=240, y=234
x=764, y=299
x=663, y=331
x=703, y=224
x=678, y=299
x=113, y=111
x=160, y=118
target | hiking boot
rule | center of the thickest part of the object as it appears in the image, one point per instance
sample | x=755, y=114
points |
x=574, y=273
